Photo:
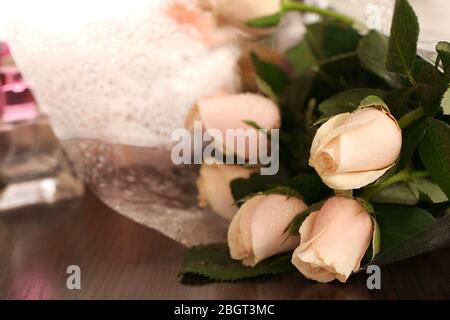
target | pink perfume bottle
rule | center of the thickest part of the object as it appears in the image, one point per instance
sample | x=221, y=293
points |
x=33, y=167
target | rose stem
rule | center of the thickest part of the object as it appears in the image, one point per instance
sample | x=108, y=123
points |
x=289, y=5
x=411, y=117
x=401, y=176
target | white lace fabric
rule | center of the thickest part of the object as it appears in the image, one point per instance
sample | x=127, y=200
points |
x=118, y=71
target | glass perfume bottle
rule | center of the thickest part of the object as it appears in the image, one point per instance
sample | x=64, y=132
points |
x=33, y=167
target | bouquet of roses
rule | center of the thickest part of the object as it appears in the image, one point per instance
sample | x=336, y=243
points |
x=364, y=148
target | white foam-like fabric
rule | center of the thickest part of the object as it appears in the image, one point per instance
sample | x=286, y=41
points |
x=118, y=71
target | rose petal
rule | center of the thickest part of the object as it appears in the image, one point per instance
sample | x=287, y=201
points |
x=258, y=229
x=271, y=217
x=346, y=238
x=352, y=180
x=323, y=136
x=241, y=11
x=239, y=236
x=375, y=145
x=229, y=112
x=214, y=187
x=333, y=240
x=311, y=271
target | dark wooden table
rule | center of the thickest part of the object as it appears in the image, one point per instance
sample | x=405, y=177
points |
x=120, y=259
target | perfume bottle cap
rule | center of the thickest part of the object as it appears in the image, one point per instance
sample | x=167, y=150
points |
x=17, y=103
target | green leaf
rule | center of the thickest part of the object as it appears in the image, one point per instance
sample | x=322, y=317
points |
x=372, y=52
x=397, y=100
x=241, y=187
x=287, y=191
x=428, y=237
x=265, y=89
x=298, y=149
x=445, y=103
x=412, y=136
x=427, y=190
x=366, y=204
x=376, y=238
x=419, y=64
x=296, y=97
x=411, y=192
x=344, y=71
x=443, y=50
x=265, y=22
x=435, y=153
x=213, y=262
x=329, y=38
x=252, y=124
x=431, y=87
x=309, y=186
x=301, y=57
x=373, y=101
x=271, y=74
x=398, y=223
x=402, y=48
x=438, y=210
x=373, y=250
x=339, y=67
x=398, y=193
x=294, y=227
x=347, y=101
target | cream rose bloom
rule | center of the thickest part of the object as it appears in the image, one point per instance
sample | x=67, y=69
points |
x=214, y=187
x=257, y=230
x=240, y=11
x=333, y=240
x=352, y=150
x=224, y=112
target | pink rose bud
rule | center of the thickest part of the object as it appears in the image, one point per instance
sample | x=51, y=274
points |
x=352, y=150
x=224, y=112
x=333, y=240
x=214, y=187
x=257, y=230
